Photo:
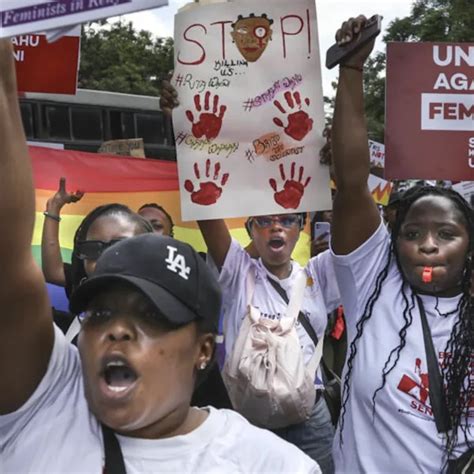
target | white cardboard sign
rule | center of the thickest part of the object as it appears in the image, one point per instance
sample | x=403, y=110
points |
x=249, y=127
x=19, y=17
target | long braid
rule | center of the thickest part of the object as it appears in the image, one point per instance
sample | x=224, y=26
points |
x=460, y=347
x=367, y=314
x=408, y=319
x=461, y=344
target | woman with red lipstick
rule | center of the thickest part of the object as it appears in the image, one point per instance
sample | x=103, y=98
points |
x=149, y=315
x=408, y=401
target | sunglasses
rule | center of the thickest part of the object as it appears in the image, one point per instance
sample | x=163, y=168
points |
x=93, y=249
x=99, y=316
x=288, y=220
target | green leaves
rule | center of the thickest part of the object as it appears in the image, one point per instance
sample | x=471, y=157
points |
x=116, y=57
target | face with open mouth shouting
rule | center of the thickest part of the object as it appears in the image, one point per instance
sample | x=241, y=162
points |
x=139, y=370
x=434, y=235
x=275, y=238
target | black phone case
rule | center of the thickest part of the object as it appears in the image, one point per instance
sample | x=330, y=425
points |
x=336, y=53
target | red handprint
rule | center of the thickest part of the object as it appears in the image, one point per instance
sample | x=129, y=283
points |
x=209, y=124
x=209, y=192
x=290, y=196
x=299, y=123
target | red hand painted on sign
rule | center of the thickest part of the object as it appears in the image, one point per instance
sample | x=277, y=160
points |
x=209, y=123
x=209, y=192
x=299, y=123
x=290, y=196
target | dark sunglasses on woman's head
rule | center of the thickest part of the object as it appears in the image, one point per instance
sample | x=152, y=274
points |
x=92, y=249
x=287, y=220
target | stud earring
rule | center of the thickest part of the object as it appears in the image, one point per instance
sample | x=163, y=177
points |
x=203, y=365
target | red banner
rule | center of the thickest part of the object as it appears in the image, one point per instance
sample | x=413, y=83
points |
x=429, y=130
x=46, y=67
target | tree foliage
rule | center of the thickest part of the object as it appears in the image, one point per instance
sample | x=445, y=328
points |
x=116, y=57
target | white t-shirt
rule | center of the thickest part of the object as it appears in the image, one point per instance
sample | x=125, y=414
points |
x=54, y=432
x=402, y=438
x=233, y=278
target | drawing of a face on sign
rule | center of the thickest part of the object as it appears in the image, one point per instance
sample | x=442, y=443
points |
x=251, y=35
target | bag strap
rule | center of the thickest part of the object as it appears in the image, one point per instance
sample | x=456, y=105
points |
x=114, y=463
x=436, y=389
x=250, y=285
x=316, y=359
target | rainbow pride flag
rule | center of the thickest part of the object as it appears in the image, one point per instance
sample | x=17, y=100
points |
x=130, y=181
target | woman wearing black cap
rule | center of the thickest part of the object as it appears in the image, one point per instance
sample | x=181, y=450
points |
x=148, y=323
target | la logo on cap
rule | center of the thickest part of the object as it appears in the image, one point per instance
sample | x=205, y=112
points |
x=177, y=263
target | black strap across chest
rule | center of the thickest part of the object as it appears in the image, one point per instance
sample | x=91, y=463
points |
x=436, y=387
x=301, y=316
x=114, y=463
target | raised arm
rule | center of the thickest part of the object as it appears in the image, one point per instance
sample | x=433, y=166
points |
x=217, y=238
x=25, y=319
x=355, y=214
x=51, y=259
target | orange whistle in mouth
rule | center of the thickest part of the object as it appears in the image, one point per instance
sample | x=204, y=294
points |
x=427, y=274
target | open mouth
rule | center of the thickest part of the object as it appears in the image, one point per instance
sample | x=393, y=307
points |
x=118, y=376
x=276, y=243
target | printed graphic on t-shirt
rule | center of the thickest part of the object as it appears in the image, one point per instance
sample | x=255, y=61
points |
x=417, y=389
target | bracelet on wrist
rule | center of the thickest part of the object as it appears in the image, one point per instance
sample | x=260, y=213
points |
x=349, y=66
x=52, y=216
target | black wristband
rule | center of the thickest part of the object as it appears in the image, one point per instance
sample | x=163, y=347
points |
x=52, y=216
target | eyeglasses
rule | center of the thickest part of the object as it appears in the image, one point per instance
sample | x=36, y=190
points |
x=287, y=220
x=95, y=315
x=93, y=249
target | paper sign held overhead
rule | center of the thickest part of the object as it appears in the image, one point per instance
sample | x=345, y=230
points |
x=249, y=127
x=429, y=130
x=19, y=17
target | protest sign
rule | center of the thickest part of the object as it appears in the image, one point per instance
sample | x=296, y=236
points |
x=466, y=190
x=377, y=154
x=380, y=189
x=249, y=127
x=133, y=147
x=20, y=17
x=47, y=67
x=429, y=130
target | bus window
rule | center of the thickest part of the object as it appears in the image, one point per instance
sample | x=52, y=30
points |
x=87, y=123
x=128, y=125
x=150, y=128
x=27, y=118
x=57, y=121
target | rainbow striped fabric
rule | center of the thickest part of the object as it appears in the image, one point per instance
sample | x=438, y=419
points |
x=130, y=181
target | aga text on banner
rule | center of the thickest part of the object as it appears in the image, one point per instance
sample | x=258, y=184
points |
x=249, y=127
x=429, y=130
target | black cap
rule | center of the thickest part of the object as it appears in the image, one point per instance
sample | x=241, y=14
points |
x=169, y=272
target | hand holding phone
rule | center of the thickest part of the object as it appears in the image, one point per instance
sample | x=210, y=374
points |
x=339, y=53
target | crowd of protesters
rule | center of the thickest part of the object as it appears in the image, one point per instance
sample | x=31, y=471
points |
x=319, y=359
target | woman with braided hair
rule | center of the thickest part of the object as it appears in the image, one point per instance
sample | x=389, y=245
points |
x=391, y=285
